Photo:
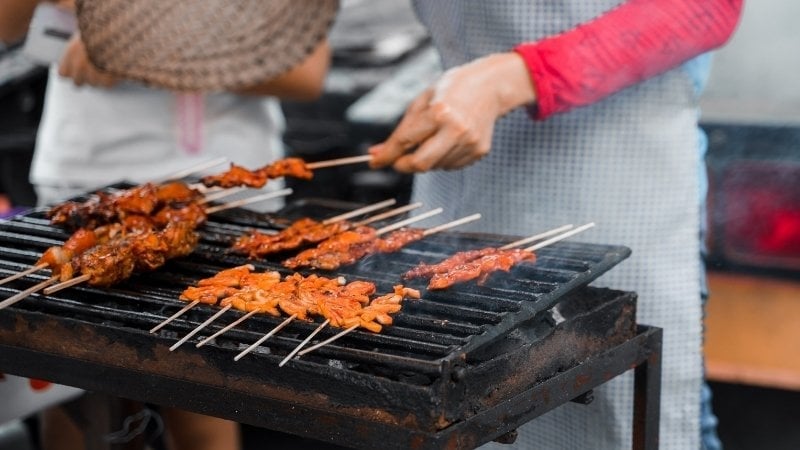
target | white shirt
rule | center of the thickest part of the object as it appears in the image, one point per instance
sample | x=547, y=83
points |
x=91, y=137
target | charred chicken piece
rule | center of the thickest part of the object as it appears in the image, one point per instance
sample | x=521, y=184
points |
x=106, y=264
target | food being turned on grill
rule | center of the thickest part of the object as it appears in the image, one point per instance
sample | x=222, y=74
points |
x=241, y=176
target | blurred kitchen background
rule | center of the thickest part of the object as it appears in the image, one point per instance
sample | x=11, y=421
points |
x=751, y=112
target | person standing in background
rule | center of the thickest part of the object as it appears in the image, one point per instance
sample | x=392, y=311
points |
x=168, y=85
x=572, y=112
x=101, y=126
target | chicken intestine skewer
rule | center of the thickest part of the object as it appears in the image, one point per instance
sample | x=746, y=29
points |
x=257, y=178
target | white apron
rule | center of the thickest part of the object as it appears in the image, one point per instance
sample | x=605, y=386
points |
x=628, y=163
x=91, y=137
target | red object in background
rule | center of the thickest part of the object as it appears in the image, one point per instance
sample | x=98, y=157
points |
x=756, y=214
x=39, y=385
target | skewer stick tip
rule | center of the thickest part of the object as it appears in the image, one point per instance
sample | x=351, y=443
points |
x=69, y=283
x=327, y=341
x=339, y=162
x=560, y=237
x=174, y=316
x=198, y=328
x=27, y=292
x=22, y=273
x=264, y=338
x=303, y=344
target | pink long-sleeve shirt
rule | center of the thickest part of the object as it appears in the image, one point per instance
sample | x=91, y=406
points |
x=633, y=42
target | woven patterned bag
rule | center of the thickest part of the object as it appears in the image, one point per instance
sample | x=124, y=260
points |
x=202, y=45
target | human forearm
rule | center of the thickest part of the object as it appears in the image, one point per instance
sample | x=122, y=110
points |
x=15, y=16
x=303, y=82
x=629, y=44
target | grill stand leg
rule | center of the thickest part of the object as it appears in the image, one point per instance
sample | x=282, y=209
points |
x=647, y=399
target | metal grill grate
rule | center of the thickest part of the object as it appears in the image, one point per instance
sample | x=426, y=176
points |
x=426, y=337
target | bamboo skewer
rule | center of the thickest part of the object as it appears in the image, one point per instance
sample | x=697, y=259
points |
x=388, y=214
x=21, y=274
x=453, y=224
x=222, y=193
x=227, y=328
x=69, y=283
x=192, y=169
x=328, y=341
x=265, y=337
x=536, y=237
x=410, y=220
x=360, y=211
x=560, y=237
x=305, y=341
x=175, y=316
x=200, y=327
x=31, y=290
x=250, y=200
x=339, y=162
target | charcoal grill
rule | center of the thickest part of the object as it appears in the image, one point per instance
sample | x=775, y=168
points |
x=458, y=368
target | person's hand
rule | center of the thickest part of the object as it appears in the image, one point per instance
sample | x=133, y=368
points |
x=75, y=64
x=450, y=125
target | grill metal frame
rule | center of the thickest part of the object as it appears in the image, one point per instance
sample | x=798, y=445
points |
x=410, y=388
